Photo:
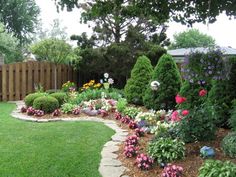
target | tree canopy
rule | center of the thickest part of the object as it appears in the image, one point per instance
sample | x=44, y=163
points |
x=9, y=46
x=161, y=10
x=19, y=17
x=192, y=38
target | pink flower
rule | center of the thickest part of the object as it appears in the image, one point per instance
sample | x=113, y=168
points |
x=179, y=99
x=202, y=92
x=175, y=116
x=185, y=112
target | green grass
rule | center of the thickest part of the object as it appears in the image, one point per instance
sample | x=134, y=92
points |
x=60, y=149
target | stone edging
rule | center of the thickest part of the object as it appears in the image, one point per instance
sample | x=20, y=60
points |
x=109, y=166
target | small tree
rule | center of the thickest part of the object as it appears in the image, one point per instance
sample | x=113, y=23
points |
x=140, y=76
x=167, y=74
x=54, y=50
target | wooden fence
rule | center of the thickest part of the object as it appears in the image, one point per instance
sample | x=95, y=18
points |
x=19, y=79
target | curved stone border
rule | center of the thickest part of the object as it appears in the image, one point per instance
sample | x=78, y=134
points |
x=109, y=166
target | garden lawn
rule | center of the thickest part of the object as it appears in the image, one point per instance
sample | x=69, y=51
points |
x=58, y=149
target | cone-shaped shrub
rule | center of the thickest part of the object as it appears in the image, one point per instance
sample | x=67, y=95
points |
x=167, y=74
x=140, y=76
x=223, y=93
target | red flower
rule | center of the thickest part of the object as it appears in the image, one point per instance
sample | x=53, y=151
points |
x=175, y=117
x=179, y=99
x=202, y=92
x=185, y=112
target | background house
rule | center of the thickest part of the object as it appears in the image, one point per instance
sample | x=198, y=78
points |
x=178, y=54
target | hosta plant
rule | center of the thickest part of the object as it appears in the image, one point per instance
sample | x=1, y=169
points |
x=228, y=144
x=130, y=151
x=165, y=150
x=131, y=112
x=131, y=140
x=216, y=168
x=121, y=104
x=172, y=171
x=150, y=117
x=144, y=162
x=67, y=108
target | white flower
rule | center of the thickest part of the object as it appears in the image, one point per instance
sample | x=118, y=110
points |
x=101, y=81
x=155, y=85
x=110, y=81
x=106, y=75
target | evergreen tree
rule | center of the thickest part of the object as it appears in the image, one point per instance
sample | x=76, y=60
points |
x=222, y=94
x=140, y=76
x=167, y=74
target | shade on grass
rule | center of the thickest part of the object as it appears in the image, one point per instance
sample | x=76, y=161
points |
x=59, y=149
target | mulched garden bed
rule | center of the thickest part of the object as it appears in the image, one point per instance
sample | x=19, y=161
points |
x=191, y=163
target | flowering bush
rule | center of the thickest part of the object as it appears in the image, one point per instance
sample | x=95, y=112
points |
x=38, y=113
x=91, y=85
x=144, y=162
x=66, y=87
x=125, y=119
x=130, y=151
x=23, y=109
x=76, y=111
x=67, y=108
x=139, y=132
x=151, y=117
x=131, y=140
x=202, y=92
x=56, y=112
x=172, y=171
x=132, y=125
x=118, y=116
x=179, y=99
x=30, y=111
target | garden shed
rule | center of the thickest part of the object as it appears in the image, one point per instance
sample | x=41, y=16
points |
x=178, y=54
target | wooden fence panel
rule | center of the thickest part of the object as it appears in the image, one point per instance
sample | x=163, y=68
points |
x=19, y=79
x=4, y=83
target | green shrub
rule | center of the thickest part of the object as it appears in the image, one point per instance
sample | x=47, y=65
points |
x=198, y=125
x=97, y=94
x=29, y=99
x=67, y=108
x=137, y=84
x=60, y=96
x=228, y=144
x=167, y=74
x=46, y=103
x=216, y=168
x=166, y=150
x=121, y=104
x=232, y=120
x=52, y=91
x=223, y=93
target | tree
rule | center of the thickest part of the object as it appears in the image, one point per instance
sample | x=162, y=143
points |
x=137, y=84
x=56, y=31
x=184, y=11
x=167, y=74
x=192, y=38
x=19, y=17
x=9, y=46
x=54, y=50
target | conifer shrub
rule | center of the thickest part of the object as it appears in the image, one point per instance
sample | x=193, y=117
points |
x=46, y=103
x=167, y=74
x=223, y=93
x=140, y=76
x=232, y=120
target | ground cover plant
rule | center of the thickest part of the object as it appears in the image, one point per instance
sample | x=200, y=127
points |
x=52, y=149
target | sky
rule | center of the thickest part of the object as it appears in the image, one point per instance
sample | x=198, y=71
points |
x=223, y=30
